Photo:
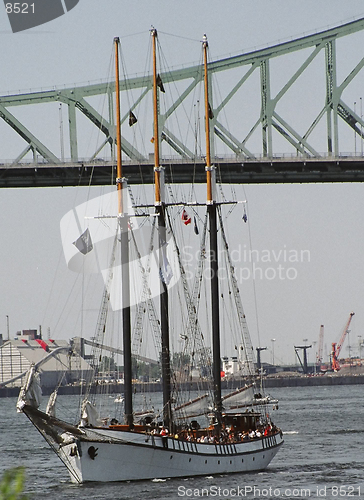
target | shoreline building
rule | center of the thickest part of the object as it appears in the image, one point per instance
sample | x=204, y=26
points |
x=57, y=361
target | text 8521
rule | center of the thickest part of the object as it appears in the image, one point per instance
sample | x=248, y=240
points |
x=19, y=8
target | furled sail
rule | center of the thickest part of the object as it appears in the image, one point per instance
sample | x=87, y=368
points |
x=240, y=398
x=51, y=406
x=31, y=391
x=89, y=415
x=193, y=408
x=245, y=397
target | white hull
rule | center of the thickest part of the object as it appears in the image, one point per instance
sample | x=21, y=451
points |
x=125, y=456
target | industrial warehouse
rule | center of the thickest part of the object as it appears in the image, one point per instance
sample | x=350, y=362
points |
x=52, y=357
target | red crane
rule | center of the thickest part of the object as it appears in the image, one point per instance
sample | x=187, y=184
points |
x=336, y=347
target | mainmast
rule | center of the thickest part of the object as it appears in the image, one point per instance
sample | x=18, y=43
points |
x=211, y=210
x=123, y=220
x=160, y=211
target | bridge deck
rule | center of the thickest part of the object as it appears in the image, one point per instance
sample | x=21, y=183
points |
x=236, y=171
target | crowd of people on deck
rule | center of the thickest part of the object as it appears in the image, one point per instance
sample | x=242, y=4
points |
x=227, y=435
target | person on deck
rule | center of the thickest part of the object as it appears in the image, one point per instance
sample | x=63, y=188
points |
x=164, y=433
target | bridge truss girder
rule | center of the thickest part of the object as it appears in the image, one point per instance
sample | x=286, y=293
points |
x=268, y=119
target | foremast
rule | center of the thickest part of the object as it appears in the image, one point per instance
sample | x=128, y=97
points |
x=160, y=209
x=123, y=221
x=212, y=214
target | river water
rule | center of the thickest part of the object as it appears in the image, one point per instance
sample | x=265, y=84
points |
x=323, y=455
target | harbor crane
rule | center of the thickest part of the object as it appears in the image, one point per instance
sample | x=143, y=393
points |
x=336, y=347
x=304, y=365
x=259, y=363
x=320, y=346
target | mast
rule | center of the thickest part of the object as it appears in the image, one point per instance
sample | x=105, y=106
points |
x=123, y=220
x=212, y=213
x=160, y=211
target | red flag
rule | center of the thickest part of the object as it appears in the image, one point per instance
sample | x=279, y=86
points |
x=185, y=217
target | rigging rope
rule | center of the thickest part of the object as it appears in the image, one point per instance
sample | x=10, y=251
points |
x=194, y=340
x=246, y=340
x=101, y=322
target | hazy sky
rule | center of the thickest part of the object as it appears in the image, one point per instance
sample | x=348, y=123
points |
x=320, y=224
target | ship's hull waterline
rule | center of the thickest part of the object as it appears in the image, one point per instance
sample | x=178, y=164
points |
x=102, y=455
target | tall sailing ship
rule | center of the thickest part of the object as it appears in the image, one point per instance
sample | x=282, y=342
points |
x=207, y=434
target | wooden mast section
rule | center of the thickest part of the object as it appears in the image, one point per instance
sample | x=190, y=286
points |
x=118, y=128
x=207, y=123
x=157, y=180
x=123, y=220
x=211, y=210
x=160, y=211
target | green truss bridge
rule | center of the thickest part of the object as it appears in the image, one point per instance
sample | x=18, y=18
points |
x=299, y=96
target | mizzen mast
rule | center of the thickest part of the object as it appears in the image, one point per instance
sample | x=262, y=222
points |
x=212, y=213
x=160, y=211
x=123, y=220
